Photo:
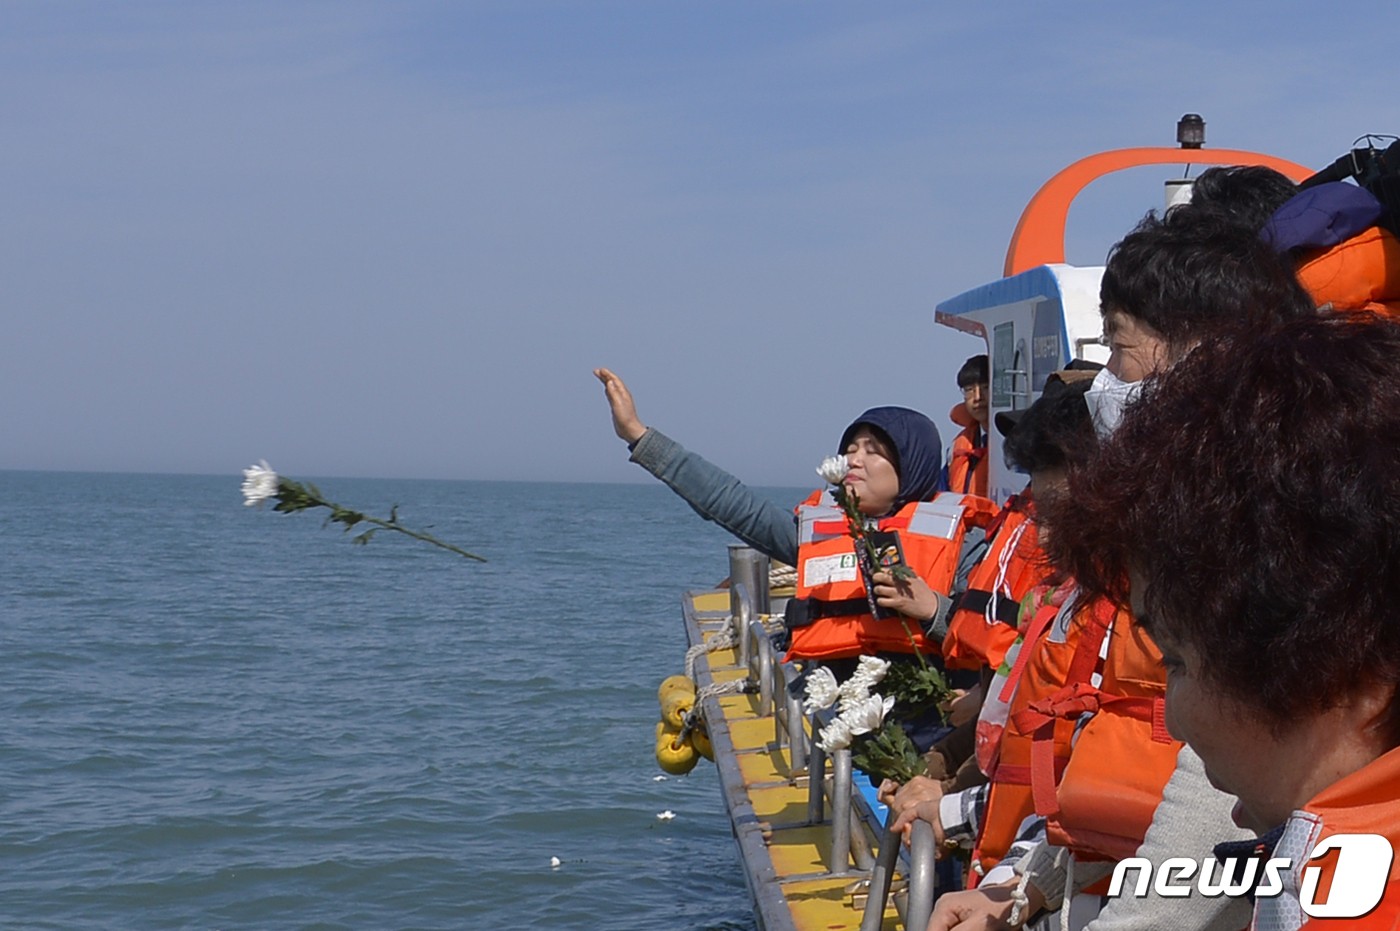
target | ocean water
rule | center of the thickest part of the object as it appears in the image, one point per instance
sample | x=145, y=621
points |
x=221, y=717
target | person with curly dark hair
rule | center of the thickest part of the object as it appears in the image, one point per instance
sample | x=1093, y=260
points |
x=1250, y=509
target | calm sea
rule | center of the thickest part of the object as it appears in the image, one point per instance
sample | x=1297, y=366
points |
x=221, y=717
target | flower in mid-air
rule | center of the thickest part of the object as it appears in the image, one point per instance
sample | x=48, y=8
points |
x=259, y=483
x=821, y=690
x=833, y=469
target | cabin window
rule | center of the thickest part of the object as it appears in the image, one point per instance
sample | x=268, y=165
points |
x=1003, y=364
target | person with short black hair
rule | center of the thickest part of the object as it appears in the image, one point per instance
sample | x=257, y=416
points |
x=1246, y=195
x=967, y=455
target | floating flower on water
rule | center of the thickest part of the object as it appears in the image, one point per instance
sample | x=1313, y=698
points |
x=833, y=469
x=666, y=815
x=866, y=715
x=261, y=483
x=821, y=690
x=836, y=735
x=554, y=862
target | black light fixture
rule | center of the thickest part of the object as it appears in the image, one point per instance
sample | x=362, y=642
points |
x=1191, y=131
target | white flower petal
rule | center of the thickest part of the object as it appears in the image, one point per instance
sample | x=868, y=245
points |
x=836, y=735
x=874, y=667
x=867, y=715
x=259, y=483
x=833, y=469
x=822, y=690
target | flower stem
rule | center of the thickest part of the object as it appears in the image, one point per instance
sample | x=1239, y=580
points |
x=855, y=520
x=419, y=535
x=293, y=496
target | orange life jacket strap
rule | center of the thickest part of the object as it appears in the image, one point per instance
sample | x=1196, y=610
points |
x=1072, y=701
x=1039, y=623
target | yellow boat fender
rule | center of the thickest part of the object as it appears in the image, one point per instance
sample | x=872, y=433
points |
x=674, y=684
x=675, y=754
x=675, y=706
x=701, y=739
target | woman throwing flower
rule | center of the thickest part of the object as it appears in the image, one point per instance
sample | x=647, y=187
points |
x=893, y=457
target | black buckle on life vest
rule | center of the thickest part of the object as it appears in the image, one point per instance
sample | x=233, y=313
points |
x=800, y=612
x=976, y=600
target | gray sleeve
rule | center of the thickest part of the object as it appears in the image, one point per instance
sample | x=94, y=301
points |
x=1192, y=818
x=717, y=496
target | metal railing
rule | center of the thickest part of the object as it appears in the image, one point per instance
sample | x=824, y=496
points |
x=749, y=599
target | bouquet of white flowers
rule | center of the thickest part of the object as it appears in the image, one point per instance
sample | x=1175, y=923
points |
x=866, y=722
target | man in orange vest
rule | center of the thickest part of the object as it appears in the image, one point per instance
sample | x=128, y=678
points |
x=967, y=456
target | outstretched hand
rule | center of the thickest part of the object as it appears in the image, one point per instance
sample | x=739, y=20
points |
x=624, y=412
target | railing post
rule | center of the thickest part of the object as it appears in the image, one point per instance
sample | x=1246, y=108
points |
x=874, y=915
x=741, y=613
x=922, y=860
x=840, y=812
x=764, y=672
x=748, y=574
x=796, y=734
x=816, y=776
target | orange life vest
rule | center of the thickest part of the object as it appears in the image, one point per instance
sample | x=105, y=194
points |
x=828, y=573
x=983, y=627
x=1362, y=273
x=1122, y=756
x=1365, y=802
x=967, y=462
x=1049, y=656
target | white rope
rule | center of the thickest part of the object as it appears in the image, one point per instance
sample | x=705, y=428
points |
x=722, y=640
x=1003, y=563
x=1020, y=903
x=781, y=576
x=1067, y=907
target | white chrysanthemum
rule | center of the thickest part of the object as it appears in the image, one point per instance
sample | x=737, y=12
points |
x=870, y=672
x=835, y=736
x=868, y=715
x=853, y=691
x=821, y=690
x=259, y=483
x=833, y=469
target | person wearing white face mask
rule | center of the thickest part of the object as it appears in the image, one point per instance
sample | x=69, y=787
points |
x=1170, y=285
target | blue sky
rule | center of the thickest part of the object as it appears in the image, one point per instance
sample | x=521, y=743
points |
x=393, y=238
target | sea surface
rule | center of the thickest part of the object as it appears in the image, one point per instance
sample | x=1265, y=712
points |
x=222, y=717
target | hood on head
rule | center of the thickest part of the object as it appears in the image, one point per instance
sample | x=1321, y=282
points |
x=917, y=448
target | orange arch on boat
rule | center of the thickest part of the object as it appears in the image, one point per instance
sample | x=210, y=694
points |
x=1040, y=234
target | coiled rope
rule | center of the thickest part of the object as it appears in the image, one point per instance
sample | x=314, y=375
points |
x=723, y=640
